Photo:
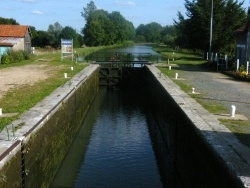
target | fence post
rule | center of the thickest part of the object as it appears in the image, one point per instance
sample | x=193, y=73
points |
x=238, y=64
x=247, y=67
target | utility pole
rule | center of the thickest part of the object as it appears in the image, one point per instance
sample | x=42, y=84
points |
x=211, y=30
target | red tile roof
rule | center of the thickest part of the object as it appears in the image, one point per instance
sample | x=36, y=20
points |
x=13, y=30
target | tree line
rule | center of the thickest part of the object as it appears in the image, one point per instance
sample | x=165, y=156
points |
x=194, y=31
x=191, y=31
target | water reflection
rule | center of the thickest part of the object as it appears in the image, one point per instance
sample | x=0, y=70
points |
x=113, y=148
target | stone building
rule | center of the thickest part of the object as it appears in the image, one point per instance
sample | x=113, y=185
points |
x=15, y=37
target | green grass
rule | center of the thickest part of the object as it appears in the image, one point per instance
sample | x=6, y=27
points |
x=192, y=61
x=23, y=98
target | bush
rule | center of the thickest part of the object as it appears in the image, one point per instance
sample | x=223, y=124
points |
x=26, y=55
x=15, y=56
x=242, y=68
x=5, y=59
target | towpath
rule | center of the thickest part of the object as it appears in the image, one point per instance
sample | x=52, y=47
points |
x=218, y=87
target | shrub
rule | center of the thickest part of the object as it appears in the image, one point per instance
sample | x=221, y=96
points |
x=26, y=55
x=243, y=74
x=242, y=68
x=5, y=59
x=15, y=56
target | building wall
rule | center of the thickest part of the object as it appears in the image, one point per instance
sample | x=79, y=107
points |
x=3, y=49
x=19, y=45
x=27, y=41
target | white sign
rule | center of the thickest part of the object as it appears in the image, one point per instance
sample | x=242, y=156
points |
x=67, y=48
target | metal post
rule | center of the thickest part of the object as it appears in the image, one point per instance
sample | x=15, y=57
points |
x=211, y=30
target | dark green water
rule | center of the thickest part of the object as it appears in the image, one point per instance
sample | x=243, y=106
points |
x=113, y=147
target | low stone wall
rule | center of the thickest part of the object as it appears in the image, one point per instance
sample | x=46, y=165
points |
x=39, y=140
x=201, y=152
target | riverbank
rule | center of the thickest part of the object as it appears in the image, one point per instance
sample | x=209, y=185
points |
x=215, y=91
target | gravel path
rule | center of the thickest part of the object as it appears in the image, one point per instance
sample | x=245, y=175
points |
x=14, y=77
x=221, y=88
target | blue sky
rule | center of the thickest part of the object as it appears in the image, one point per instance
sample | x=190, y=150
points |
x=42, y=13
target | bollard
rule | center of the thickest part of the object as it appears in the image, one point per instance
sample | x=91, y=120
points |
x=233, y=109
x=247, y=67
x=72, y=68
x=168, y=61
x=193, y=90
x=176, y=75
x=1, y=111
x=237, y=65
x=65, y=75
x=169, y=67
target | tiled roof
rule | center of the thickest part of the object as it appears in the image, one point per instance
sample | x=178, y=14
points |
x=9, y=41
x=13, y=30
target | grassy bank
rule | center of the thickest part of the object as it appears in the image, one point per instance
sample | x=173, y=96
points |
x=22, y=98
x=187, y=61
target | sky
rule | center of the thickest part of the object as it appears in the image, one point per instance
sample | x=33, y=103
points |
x=42, y=13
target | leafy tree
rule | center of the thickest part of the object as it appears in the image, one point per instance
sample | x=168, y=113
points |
x=89, y=10
x=8, y=21
x=102, y=28
x=228, y=15
x=150, y=32
x=169, y=35
x=70, y=33
x=54, y=32
x=124, y=30
x=40, y=38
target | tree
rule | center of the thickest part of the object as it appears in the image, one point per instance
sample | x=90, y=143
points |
x=169, y=35
x=8, y=21
x=228, y=15
x=89, y=10
x=70, y=33
x=150, y=32
x=124, y=30
x=102, y=28
x=54, y=32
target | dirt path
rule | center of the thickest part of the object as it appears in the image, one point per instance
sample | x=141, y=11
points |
x=13, y=77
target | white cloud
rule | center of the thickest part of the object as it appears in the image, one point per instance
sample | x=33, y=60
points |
x=37, y=12
x=127, y=3
x=27, y=1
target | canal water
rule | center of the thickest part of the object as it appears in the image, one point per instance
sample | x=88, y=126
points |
x=113, y=147
x=138, y=52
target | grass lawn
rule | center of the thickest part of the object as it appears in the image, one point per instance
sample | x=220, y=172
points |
x=190, y=61
x=21, y=99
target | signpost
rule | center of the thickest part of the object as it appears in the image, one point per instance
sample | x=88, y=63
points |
x=67, y=48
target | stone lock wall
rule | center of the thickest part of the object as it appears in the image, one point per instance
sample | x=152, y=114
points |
x=202, y=151
x=46, y=132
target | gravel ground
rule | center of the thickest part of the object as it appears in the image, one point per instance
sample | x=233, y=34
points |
x=221, y=88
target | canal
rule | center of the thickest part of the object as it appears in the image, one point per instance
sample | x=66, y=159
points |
x=113, y=147
x=135, y=135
